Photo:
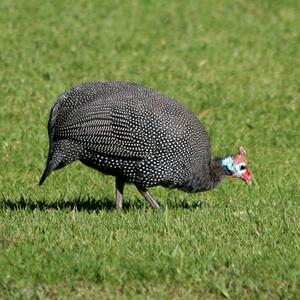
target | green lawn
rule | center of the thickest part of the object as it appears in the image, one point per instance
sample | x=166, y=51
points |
x=234, y=63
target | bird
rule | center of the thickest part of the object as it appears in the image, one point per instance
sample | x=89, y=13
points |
x=138, y=135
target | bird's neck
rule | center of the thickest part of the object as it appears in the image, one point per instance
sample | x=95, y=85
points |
x=206, y=178
x=217, y=172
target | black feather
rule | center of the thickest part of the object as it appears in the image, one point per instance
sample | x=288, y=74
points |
x=131, y=131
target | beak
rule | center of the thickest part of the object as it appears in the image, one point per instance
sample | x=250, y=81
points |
x=247, y=177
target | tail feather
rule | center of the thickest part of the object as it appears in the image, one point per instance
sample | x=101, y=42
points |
x=53, y=161
x=61, y=153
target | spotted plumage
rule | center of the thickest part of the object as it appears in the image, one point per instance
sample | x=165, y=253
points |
x=133, y=133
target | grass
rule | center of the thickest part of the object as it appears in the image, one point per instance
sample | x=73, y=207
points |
x=236, y=64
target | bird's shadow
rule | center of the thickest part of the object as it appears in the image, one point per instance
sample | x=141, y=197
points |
x=89, y=204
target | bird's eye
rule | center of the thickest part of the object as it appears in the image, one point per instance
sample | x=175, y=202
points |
x=242, y=167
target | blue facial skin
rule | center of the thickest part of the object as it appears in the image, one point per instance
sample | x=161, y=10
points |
x=231, y=167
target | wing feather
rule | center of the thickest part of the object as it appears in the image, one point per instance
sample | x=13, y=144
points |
x=115, y=129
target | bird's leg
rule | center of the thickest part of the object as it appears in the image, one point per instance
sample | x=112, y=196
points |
x=119, y=192
x=148, y=197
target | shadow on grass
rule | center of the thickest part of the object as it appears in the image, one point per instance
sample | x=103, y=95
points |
x=88, y=204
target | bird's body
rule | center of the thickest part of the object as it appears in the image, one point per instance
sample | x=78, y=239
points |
x=134, y=133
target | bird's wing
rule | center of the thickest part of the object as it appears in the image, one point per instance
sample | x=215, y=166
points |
x=109, y=128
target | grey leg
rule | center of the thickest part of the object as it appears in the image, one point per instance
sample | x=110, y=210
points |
x=148, y=197
x=119, y=193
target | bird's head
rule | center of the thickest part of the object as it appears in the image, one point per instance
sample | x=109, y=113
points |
x=238, y=166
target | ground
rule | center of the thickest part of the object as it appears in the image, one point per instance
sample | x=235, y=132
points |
x=233, y=63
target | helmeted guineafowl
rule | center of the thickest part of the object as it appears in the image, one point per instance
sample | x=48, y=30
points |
x=137, y=135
